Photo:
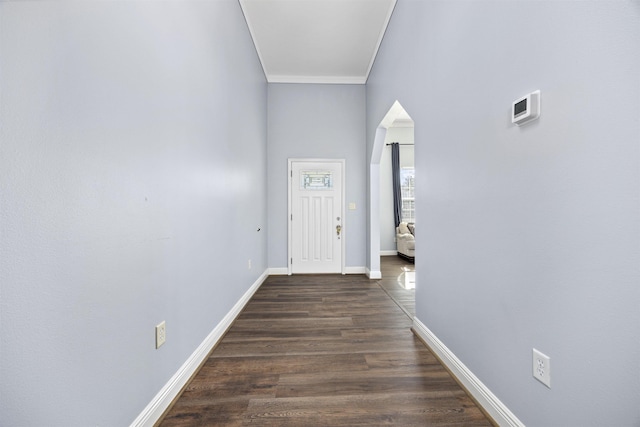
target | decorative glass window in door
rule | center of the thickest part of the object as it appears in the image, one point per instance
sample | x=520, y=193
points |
x=316, y=180
x=407, y=179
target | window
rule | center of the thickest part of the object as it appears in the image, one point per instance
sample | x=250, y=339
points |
x=407, y=179
x=316, y=180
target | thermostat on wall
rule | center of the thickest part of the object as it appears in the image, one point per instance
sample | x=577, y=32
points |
x=526, y=109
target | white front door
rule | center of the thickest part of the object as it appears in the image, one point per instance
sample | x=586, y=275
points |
x=316, y=234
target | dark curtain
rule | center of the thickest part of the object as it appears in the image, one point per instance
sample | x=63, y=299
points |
x=395, y=172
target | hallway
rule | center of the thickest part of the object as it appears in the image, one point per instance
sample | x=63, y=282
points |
x=323, y=350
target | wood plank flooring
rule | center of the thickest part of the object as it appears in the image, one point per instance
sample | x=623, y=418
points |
x=322, y=350
x=398, y=281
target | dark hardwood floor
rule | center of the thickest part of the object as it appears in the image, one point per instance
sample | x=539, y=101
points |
x=322, y=350
x=399, y=281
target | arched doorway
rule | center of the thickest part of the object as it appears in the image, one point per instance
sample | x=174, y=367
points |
x=398, y=126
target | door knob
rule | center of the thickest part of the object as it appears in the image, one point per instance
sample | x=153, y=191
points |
x=338, y=230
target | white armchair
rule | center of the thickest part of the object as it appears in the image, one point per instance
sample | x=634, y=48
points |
x=405, y=241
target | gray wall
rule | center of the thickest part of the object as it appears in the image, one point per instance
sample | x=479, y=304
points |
x=316, y=121
x=132, y=174
x=528, y=236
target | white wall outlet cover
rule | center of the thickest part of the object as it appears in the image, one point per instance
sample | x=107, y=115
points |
x=542, y=367
x=161, y=334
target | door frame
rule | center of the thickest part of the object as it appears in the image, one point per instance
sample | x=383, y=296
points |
x=343, y=240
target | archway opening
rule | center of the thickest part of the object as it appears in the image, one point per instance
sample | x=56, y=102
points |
x=396, y=126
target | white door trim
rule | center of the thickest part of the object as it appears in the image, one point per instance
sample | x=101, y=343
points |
x=290, y=212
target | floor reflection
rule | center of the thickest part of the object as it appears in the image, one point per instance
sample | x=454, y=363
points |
x=407, y=279
x=399, y=281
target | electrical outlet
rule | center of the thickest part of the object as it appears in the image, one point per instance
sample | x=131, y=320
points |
x=542, y=368
x=249, y=265
x=161, y=334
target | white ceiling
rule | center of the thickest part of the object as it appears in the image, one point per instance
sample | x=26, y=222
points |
x=317, y=41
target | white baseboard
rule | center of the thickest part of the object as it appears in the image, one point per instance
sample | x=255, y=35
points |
x=154, y=410
x=355, y=270
x=489, y=402
x=283, y=271
x=388, y=253
x=373, y=275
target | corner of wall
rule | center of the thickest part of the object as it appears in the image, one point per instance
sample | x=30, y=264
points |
x=171, y=390
x=478, y=391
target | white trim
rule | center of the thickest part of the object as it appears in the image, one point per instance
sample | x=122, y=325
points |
x=373, y=275
x=289, y=213
x=336, y=80
x=388, y=253
x=491, y=404
x=382, y=33
x=154, y=410
x=253, y=38
x=343, y=215
x=283, y=271
x=278, y=271
x=374, y=200
x=355, y=270
x=343, y=164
